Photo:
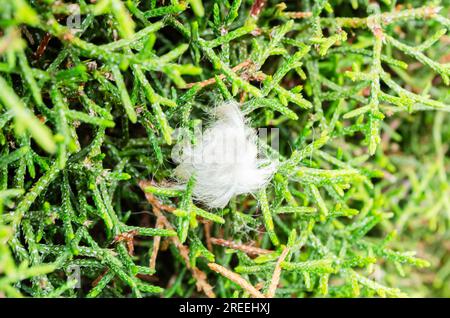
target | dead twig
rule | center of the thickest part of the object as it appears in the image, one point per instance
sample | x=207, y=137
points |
x=153, y=200
x=8, y=39
x=256, y=8
x=42, y=46
x=97, y=280
x=128, y=237
x=212, y=80
x=156, y=243
x=297, y=15
x=247, y=249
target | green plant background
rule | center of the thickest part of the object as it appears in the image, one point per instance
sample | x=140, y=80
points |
x=359, y=207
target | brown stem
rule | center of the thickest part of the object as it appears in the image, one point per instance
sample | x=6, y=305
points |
x=256, y=8
x=42, y=46
x=212, y=80
x=276, y=274
x=156, y=243
x=200, y=276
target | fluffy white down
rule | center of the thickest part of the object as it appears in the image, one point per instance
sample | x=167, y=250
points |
x=224, y=160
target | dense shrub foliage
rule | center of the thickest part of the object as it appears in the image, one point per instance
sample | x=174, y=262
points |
x=91, y=93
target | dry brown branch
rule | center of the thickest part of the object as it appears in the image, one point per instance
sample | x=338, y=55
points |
x=297, y=15
x=236, y=278
x=212, y=80
x=156, y=243
x=207, y=228
x=97, y=280
x=259, y=286
x=42, y=46
x=128, y=237
x=251, y=250
x=8, y=39
x=276, y=274
x=156, y=203
x=256, y=8
x=200, y=277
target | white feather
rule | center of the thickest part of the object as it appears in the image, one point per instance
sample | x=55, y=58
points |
x=225, y=159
